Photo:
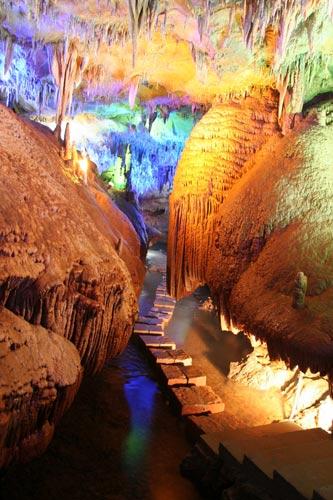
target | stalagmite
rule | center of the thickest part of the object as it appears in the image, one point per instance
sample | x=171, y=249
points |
x=85, y=293
x=67, y=143
x=301, y=284
x=47, y=374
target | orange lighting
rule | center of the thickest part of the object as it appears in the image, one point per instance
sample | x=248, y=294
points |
x=83, y=164
x=325, y=415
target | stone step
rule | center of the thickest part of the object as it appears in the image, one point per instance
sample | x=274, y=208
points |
x=197, y=425
x=174, y=375
x=262, y=466
x=324, y=492
x=157, y=342
x=194, y=400
x=300, y=480
x=161, y=311
x=214, y=437
x=239, y=446
x=175, y=357
x=164, y=303
x=165, y=298
x=149, y=320
x=183, y=375
x=140, y=329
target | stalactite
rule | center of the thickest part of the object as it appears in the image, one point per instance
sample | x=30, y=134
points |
x=9, y=52
x=140, y=12
x=67, y=68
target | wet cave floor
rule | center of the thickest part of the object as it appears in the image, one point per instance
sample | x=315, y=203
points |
x=120, y=439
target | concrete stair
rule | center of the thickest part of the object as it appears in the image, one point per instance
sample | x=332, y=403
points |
x=157, y=342
x=193, y=400
x=287, y=461
x=175, y=357
x=183, y=375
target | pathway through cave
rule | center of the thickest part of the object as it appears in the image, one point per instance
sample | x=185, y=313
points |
x=120, y=440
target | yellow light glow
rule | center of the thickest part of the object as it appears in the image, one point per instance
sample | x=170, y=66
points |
x=83, y=164
x=325, y=414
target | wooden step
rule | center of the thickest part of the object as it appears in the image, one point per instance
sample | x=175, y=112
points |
x=194, y=400
x=156, y=342
x=298, y=481
x=183, y=375
x=142, y=329
x=175, y=357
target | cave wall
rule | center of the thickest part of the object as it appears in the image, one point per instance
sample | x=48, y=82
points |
x=70, y=276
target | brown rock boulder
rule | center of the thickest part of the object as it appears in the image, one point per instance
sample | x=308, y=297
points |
x=40, y=373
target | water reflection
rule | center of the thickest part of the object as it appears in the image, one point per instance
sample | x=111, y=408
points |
x=140, y=394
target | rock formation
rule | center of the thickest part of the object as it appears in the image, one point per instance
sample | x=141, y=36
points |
x=212, y=161
x=273, y=224
x=61, y=267
x=40, y=374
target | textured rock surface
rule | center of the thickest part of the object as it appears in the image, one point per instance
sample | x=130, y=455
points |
x=69, y=258
x=40, y=374
x=70, y=262
x=213, y=160
x=251, y=245
x=282, y=210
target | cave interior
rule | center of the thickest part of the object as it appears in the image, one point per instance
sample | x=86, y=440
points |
x=167, y=190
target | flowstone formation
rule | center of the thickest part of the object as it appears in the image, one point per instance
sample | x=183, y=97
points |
x=272, y=227
x=213, y=160
x=70, y=262
x=40, y=375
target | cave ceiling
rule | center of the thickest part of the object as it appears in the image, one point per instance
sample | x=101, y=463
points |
x=199, y=50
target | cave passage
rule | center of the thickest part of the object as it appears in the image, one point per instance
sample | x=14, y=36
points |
x=166, y=249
